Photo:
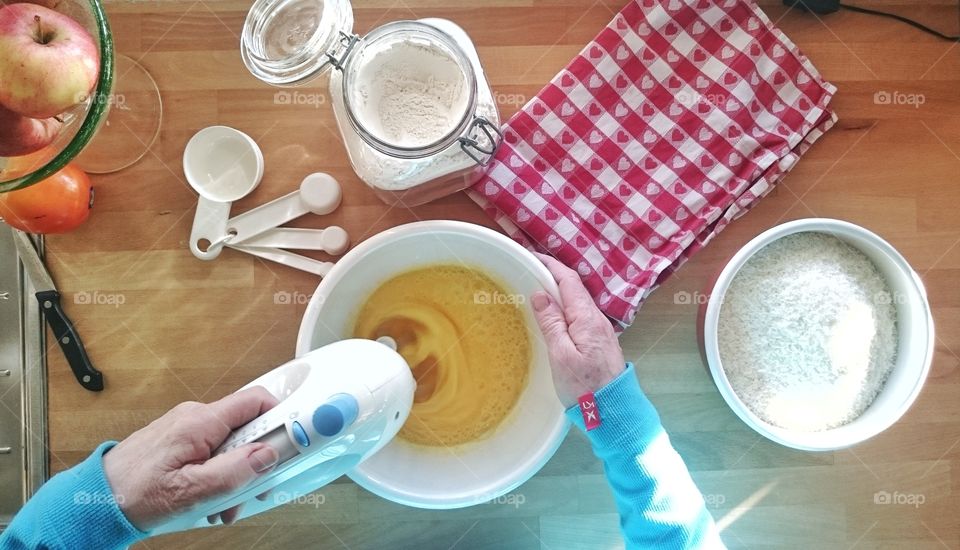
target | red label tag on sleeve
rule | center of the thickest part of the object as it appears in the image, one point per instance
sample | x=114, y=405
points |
x=589, y=410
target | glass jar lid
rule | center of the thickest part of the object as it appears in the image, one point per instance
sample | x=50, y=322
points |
x=289, y=42
x=409, y=89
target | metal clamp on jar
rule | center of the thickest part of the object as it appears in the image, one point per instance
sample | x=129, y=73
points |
x=411, y=100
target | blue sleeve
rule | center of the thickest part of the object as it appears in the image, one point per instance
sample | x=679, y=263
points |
x=74, y=510
x=659, y=505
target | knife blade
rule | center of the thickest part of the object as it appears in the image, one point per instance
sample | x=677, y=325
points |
x=49, y=299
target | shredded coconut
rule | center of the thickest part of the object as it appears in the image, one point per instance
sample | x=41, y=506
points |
x=807, y=332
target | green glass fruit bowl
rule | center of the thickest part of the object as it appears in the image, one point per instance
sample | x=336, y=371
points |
x=81, y=121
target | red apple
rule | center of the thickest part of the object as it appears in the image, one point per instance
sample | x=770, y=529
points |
x=20, y=135
x=48, y=62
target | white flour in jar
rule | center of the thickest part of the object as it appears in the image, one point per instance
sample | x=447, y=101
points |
x=445, y=172
x=410, y=93
x=807, y=332
x=452, y=165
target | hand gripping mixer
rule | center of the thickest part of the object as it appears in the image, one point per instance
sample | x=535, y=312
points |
x=339, y=404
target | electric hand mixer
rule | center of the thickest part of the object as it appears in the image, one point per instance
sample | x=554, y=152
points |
x=339, y=404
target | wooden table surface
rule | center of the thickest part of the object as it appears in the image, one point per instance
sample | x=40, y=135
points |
x=193, y=330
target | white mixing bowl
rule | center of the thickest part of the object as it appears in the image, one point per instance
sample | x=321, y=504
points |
x=914, y=349
x=476, y=472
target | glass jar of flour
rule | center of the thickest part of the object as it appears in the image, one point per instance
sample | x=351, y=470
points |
x=412, y=103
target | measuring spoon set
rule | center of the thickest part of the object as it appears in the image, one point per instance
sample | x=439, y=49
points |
x=224, y=165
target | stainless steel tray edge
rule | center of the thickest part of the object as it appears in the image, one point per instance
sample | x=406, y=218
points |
x=25, y=386
x=34, y=338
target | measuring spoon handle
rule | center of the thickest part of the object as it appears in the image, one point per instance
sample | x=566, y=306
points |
x=332, y=240
x=286, y=258
x=319, y=193
x=209, y=226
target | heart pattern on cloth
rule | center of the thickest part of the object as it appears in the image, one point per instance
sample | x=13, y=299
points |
x=650, y=141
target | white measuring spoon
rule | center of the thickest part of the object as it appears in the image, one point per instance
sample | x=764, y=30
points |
x=222, y=165
x=286, y=258
x=332, y=240
x=319, y=194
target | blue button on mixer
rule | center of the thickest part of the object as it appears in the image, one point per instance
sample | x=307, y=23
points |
x=300, y=434
x=337, y=413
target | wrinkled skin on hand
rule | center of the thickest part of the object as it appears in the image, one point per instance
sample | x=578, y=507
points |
x=584, y=351
x=167, y=467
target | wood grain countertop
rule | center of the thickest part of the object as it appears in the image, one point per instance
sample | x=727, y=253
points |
x=193, y=330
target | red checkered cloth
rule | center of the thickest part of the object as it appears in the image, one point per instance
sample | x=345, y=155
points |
x=674, y=121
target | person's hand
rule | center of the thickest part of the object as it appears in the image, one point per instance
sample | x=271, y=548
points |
x=584, y=352
x=167, y=466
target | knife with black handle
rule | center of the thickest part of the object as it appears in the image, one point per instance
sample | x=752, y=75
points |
x=49, y=300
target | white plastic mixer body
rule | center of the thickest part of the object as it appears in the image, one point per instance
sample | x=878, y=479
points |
x=339, y=404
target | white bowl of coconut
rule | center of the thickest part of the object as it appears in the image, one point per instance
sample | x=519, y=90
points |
x=818, y=334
